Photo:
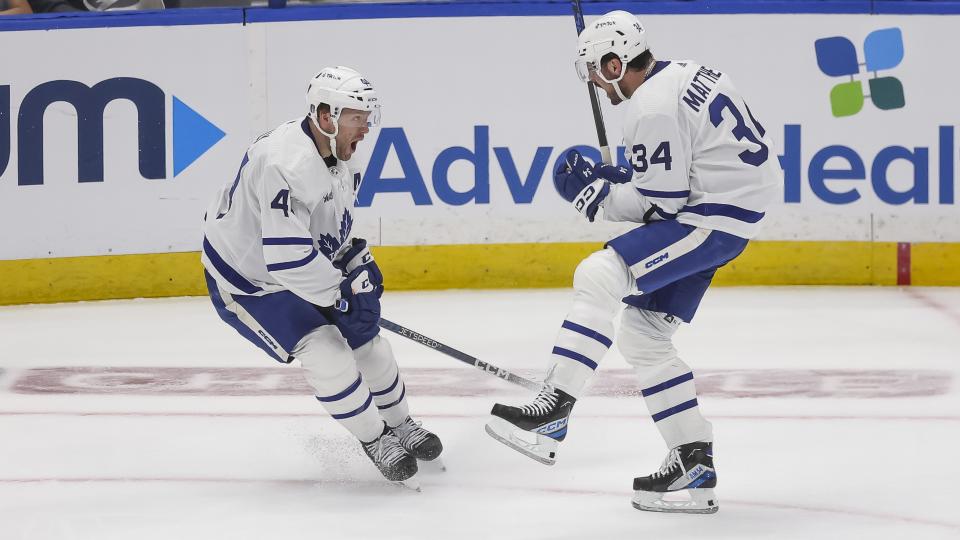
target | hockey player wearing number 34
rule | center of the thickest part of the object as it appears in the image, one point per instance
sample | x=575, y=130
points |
x=702, y=177
x=285, y=272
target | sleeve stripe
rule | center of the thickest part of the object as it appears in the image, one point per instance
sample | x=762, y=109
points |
x=288, y=241
x=664, y=194
x=293, y=264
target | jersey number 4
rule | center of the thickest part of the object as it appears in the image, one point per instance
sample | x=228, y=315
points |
x=282, y=202
x=740, y=131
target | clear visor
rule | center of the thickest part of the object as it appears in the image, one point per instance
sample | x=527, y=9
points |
x=584, y=68
x=354, y=118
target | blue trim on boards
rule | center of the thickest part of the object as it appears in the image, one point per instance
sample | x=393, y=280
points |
x=547, y=8
x=469, y=8
x=121, y=19
x=901, y=7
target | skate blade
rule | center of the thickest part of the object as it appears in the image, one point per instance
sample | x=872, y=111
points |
x=699, y=501
x=542, y=449
x=410, y=483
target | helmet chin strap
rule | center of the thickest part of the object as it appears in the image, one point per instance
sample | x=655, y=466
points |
x=616, y=88
x=616, y=83
x=331, y=136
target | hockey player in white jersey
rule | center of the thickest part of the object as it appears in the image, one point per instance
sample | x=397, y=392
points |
x=702, y=176
x=283, y=269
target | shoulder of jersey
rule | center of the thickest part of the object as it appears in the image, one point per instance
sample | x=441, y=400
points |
x=292, y=151
x=661, y=94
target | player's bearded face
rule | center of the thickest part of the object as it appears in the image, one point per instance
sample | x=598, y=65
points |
x=353, y=126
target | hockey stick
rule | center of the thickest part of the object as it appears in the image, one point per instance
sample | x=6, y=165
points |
x=461, y=356
x=592, y=90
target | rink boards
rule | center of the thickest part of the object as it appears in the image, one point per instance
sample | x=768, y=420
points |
x=480, y=101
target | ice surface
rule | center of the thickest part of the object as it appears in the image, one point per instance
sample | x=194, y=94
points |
x=836, y=412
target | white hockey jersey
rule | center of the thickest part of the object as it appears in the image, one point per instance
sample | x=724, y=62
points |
x=698, y=154
x=282, y=220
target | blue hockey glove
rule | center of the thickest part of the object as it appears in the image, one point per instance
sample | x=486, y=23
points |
x=359, y=256
x=358, y=309
x=576, y=182
x=613, y=173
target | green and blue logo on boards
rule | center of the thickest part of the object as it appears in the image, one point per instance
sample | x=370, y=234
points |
x=882, y=50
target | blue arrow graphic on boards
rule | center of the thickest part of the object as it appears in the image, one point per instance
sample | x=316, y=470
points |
x=193, y=135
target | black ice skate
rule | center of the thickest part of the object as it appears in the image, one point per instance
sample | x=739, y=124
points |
x=534, y=430
x=687, y=468
x=417, y=441
x=395, y=463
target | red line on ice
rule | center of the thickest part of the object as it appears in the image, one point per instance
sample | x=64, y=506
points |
x=933, y=304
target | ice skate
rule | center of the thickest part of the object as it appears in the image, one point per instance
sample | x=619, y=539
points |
x=418, y=442
x=687, y=471
x=534, y=430
x=395, y=463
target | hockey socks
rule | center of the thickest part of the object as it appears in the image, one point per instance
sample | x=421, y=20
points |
x=671, y=398
x=379, y=367
x=585, y=335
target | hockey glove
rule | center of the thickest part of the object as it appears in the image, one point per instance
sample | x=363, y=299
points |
x=359, y=256
x=358, y=309
x=615, y=174
x=576, y=182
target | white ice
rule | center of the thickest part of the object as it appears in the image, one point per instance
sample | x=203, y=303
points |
x=836, y=413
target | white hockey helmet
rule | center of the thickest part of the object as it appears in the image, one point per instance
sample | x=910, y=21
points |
x=341, y=88
x=617, y=32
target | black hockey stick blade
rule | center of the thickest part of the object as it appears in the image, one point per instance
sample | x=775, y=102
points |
x=459, y=355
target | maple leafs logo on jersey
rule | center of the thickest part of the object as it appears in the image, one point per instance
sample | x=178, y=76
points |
x=330, y=245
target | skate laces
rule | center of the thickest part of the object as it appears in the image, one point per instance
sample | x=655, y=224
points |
x=386, y=450
x=410, y=433
x=669, y=464
x=543, y=404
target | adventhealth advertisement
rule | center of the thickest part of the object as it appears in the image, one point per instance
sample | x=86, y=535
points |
x=123, y=157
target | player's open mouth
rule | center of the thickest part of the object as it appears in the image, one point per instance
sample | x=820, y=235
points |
x=353, y=145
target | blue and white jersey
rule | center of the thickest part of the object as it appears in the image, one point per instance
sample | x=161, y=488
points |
x=283, y=219
x=698, y=154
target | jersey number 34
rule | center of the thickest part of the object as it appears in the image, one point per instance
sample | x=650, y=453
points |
x=740, y=130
